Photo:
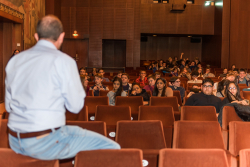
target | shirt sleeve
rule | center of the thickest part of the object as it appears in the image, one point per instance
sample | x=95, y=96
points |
x=7, y=97
x=190, y=101
x=70, y=84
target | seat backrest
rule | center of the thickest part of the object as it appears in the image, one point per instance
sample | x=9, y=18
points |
x=112, y=114
x=108, y=84
x=109, y=158
x=149, y=93
x=239, y=136
x=244, y=158
x=8, y=158
x=197, y=134
x=91, y=93
x=4, y=142
x=140, y=134
x=228, y=115
x=193, y=158
x=103, y=92
x=92, y=102
x=177, y=94
x=163, y=113
x=133, y=101
x=246, y=94
x=81, y=116
x=163, y=101
x=198, y=113
x=96, y=126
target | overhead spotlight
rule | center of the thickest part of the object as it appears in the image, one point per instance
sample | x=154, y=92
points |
x=75, y=34
x=207, y=3
x=218, y=3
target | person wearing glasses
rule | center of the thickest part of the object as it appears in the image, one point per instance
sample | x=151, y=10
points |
x=206, y=97
x=175, y=84
x=194, y=79
x=232, y=93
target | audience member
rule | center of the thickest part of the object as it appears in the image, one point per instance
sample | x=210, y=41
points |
x=85, y=82
x=185, y=74
x=138, y=91
x=151, y=83
x=206, y=97
x=233, y=67
x=235, y=72
x=221, y=88
x=94, y=72
x=194, y=79
x=142, y=80
x=117, y=91
x=175, y=84
x=242, y=78
x=200, y=73
x=157, y=75
x=161, y=90
x=125, y=83
x=208, y=73
x=175, y=72
x=36, y=123
x=232, y=92
x=195, y=89
x=82, y=71
x=224, y=74
x=101, y=71
x=192, y=65
x=98, y=85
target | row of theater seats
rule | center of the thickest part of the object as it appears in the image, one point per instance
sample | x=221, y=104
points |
x=131, y=158
x=149, y=137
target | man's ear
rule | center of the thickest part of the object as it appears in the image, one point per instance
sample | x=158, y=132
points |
x=36, y=37
x=61, y=37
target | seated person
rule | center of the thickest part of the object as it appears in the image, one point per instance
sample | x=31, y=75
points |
x=161, y=90
x=101, y=71
x=232, y=92
x=183, y=64
x=175, y=84
x=185, y=74
x=142, y=80
x=242, y=78
x=206, y=97
x=194, y=79
x=200, y=72
x=221, y=88
x=224, y=74
x=174, y=72
x=195, y=89
x=235, y=72
x=82, y=71
x=208, y=73
x=117, y=91
x=93, y=72
x=119, y=75
x=164, y=65
x=85, y=82
x=157, y=75
x=125, y=83
x=98, y=85
x=151, y=83
x=192, y=65
x=138, y=91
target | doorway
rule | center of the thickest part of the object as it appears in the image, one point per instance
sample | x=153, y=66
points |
x=113, y=53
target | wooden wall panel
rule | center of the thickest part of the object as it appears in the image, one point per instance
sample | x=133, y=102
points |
x=130, y=24
x=1, y=65
x=82, y=3
x=95, y=52
x=72, y=21
x=65, y=18
x=208, y=20
x=120, y=4
x=158, y=18
x=67, y=3
x=108, y=23
x=96, y=22
x=82, y=21
x=170, y=21
x=146, y=18
x=96, y=3
x=120, y=24
x=129, y=53
x=195, y=19
x=183, y=19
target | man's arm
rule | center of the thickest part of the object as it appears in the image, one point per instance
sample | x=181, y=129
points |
x=7, y=97
x=190, y=101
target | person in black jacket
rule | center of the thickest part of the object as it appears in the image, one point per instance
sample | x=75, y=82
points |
x=206, y=97
x=138, y=91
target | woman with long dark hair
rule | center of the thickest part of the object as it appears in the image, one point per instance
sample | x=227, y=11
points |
x=85, y=82
x=232, y=92
x=221, y=88
x=161, y=90
x=117, y=91
x=138, y=91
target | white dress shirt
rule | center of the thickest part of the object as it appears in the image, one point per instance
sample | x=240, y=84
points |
x=39, y=84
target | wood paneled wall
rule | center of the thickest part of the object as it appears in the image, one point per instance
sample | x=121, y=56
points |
x=157, y=48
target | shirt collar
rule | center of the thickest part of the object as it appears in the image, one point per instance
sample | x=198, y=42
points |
x=46, y=43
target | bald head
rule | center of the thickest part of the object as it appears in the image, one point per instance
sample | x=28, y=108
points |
x=49, y=27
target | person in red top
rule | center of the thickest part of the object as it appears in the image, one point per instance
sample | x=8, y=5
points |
x=142, y=80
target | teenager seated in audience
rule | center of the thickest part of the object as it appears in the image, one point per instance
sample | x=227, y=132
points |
x=206, y=97
x=94, y=71
x=221, y=88
x=194, y=79
x=164, y=66
x=208, y=73
x=85, y=82
x=184, y=73
x=117, y=91
x=175, y=84
x=233, y=67
x=161, y=90
x=150, y=67
x=138, y=91
x=183, y=64
x=197, y=61
x=242, y=78
x=119, y=75
x=200, y=73
x=160, y=64
x=157, y=75
x=142, y=80
x=235, y=72
x=82, y=71
x=155, y=66
x=232, y=92
x=98, y=85
x=195, y=89
x=192, y=65
x=224, y=74
x=125, y=83
x=101, y=71
x=174, y=72
x=151, y=83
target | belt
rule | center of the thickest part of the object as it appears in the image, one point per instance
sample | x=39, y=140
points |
x=30, y=134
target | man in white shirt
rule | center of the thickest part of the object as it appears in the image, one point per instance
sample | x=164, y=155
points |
x=40, y=83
